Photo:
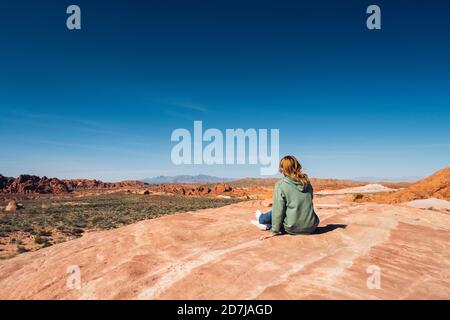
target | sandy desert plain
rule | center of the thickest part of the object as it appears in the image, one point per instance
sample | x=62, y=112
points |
x=131, y=240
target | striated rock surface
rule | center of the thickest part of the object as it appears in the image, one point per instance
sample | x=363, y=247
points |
x=217, y=254
x=431, y=203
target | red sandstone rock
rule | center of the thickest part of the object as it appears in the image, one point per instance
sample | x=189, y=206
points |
x=189, y=190
x=4, y=181
x=435, y=186
x=129, y=184
x=85, y=184
x=12, y=206
x=222, y=187
x=217, y=254
x=29, y=184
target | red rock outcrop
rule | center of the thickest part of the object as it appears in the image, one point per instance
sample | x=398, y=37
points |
x=435, y=186
x=250, y=188
x=191, y=190
x=4, y=181
x=26, y=184
x=85, y=184
x=128, y=184
x=12, y=206
x=30, y=184
x=222, y=187
x=318, y=184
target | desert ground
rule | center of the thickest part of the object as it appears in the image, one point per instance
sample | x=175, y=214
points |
x=369, y=245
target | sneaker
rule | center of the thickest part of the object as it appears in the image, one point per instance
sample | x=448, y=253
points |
x=259, y=225
x=258, y=213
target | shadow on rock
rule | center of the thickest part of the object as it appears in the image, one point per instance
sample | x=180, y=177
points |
x=329, y=228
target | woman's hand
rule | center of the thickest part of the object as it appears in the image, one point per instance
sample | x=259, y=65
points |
x=268, y=236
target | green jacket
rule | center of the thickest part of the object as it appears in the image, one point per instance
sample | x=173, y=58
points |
x=292, y=209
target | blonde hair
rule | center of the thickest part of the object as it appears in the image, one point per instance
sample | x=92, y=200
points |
x=290, y=167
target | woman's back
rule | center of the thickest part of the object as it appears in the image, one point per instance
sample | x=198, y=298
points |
x=293, y=210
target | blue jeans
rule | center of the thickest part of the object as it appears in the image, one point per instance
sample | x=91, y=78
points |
x=266, y=218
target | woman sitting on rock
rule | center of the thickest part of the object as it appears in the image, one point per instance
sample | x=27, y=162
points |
x=292, y=203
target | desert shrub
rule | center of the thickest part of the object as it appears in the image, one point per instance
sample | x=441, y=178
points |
x=47, y=244
x=41, y=240
x=21, y=249
x=97, y=219
x=80, y=225
x=15, y=241
x=44, y=233
x=77, y=231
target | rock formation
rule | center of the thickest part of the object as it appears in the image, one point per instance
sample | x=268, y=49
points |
x=12, y=206
x=222, y=187
x=30, y=184
x=4, y=181
x=217, y=254
x=435, y=186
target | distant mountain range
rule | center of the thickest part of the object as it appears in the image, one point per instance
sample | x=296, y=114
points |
x=201, y=178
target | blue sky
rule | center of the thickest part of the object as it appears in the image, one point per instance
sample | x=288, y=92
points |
x=103, y=101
